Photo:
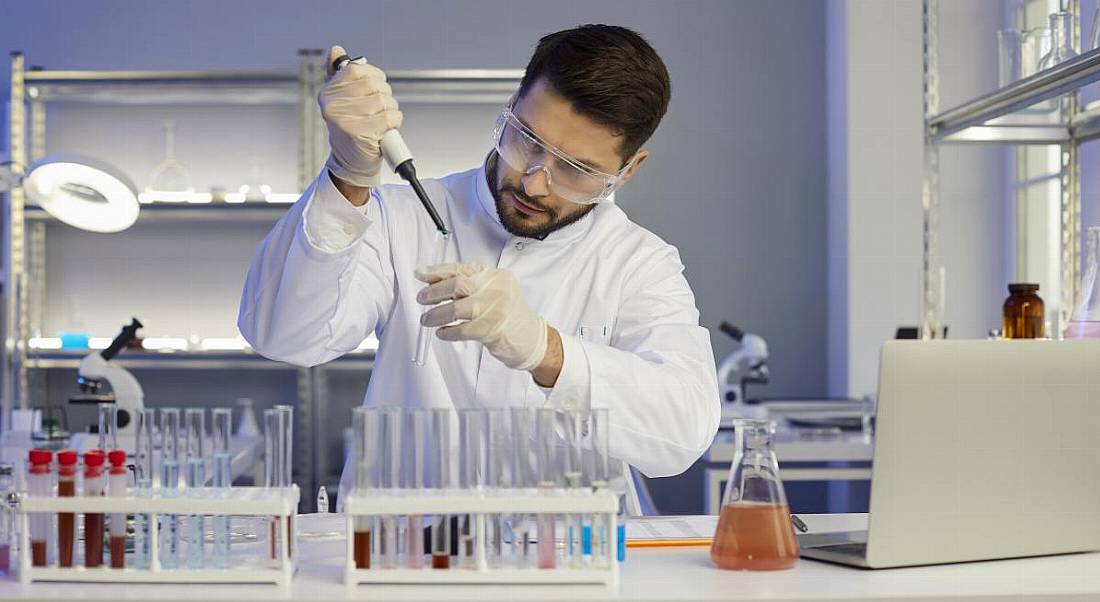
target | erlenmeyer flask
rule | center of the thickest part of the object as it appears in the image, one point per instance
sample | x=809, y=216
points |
x=1084, y=323
x=1061, y=46
x=754, y=529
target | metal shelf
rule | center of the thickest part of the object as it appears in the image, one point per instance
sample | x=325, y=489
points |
x=220, y=212
x=1072, y=75
x=255, y=87
x=189, y=360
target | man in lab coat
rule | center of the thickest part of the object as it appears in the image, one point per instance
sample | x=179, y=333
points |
x=547, y=296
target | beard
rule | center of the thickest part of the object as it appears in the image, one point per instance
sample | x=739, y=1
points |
x=527, y=226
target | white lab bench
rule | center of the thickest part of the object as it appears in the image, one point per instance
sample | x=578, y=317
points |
x=648, y=575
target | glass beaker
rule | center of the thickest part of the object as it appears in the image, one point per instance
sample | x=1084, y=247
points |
x=754, y=528
x=1085, y=320
x=1061, y=44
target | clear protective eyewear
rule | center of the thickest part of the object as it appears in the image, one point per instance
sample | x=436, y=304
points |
x=572, y=180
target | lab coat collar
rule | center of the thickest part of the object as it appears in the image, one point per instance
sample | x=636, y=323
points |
x=566, y=235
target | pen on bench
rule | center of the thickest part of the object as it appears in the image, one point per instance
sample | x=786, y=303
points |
x=798, y=524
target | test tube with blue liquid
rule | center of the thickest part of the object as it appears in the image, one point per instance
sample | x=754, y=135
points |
x=223, y=480
x=598, y=466
x=169, y=535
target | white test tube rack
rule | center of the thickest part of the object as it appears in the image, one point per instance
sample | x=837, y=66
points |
x=281, y=503
x=527, y=501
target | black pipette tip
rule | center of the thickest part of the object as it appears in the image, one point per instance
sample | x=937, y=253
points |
x=407, y=171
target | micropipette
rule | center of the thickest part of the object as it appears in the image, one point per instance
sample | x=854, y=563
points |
x=397, y=154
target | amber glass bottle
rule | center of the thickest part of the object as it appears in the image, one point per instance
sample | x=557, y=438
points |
x=1023, y=312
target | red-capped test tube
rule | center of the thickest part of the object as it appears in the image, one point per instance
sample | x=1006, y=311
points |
x=116, y=487
x=66, y=521
x=94, y=486
x=38, y=483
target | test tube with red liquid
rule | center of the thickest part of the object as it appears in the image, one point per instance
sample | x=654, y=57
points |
x=66, y=521
x=116, y=487
x=441, y=482
x=364, y=456
x=95, y=485
x=38, y=483
x=549, y=480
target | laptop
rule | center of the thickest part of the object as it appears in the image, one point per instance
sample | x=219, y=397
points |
x=983, y=450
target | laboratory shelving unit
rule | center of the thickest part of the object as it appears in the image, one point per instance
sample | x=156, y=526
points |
x=994, y=119
x=24, y=232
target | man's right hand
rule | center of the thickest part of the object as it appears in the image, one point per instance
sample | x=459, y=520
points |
x=358, y=108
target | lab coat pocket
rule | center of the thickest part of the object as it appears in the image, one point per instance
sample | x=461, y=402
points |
x=600, y=333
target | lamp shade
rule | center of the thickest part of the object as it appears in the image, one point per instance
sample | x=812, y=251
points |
x=83, y=193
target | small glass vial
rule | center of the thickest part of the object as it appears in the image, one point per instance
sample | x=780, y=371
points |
x=1023, y=312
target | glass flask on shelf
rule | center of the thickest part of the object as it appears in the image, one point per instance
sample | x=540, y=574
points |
x=754, y=528
x=1084, y=323
x=1061, y=42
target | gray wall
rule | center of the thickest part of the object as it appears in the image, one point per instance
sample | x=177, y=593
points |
x=737, y=175
x=736, y=180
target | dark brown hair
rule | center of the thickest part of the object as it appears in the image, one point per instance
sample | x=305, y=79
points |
x=609, y=74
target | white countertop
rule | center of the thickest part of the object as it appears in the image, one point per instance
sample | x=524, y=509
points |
x=649, y=575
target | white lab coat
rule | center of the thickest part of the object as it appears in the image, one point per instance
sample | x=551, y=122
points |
x=329, y=274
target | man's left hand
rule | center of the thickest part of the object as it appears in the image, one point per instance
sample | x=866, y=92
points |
x=483, y=304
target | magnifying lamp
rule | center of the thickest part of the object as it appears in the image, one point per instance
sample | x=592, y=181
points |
x=83, y=193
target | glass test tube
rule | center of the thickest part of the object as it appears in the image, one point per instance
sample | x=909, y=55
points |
x=598, y=467
x=278, y=436
x=169, y=531
x=116, y=487
x=195, y=419
x=7, y=517
x=108, y=426
x=549, y=479
x=95, y=485
x=441, y=482
x=472, y=452
x=418, y=424
x=572, y=425
x=523, y=471
x=424, y=334
x=223, y=480
x=38, y=483
x=66, y=521
x=364, y=455
x=498, y=482
x=144, y=433
x=391, y=457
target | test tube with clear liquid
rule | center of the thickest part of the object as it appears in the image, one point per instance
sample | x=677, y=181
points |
x=223, y=480
x=389, y=537
x=522, y=429
x=195, y=418
x=441, y=482
x=472, y=452
x=498, y=482
x=169, y=528
x=144, y=433
x=365, y=427
x=424, y=333
x=418, y=424
x=549, y=483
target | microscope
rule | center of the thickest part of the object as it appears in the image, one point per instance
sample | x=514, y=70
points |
x=126, y=392
x=748, y=364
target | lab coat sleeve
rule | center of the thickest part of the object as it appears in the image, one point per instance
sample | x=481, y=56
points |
x=657, y=376
x=320, y=281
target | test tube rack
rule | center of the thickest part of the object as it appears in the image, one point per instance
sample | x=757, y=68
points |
x=603, y=503
x=281, y=503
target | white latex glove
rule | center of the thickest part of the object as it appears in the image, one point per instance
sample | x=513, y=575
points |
x=488, y=306
x=358, y=108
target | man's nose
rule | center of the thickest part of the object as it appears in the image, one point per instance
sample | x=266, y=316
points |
x=536, y=182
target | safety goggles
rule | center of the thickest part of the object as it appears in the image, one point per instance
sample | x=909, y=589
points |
x=524, y=151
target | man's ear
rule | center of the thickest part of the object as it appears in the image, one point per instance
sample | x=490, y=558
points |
x=639, y=158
